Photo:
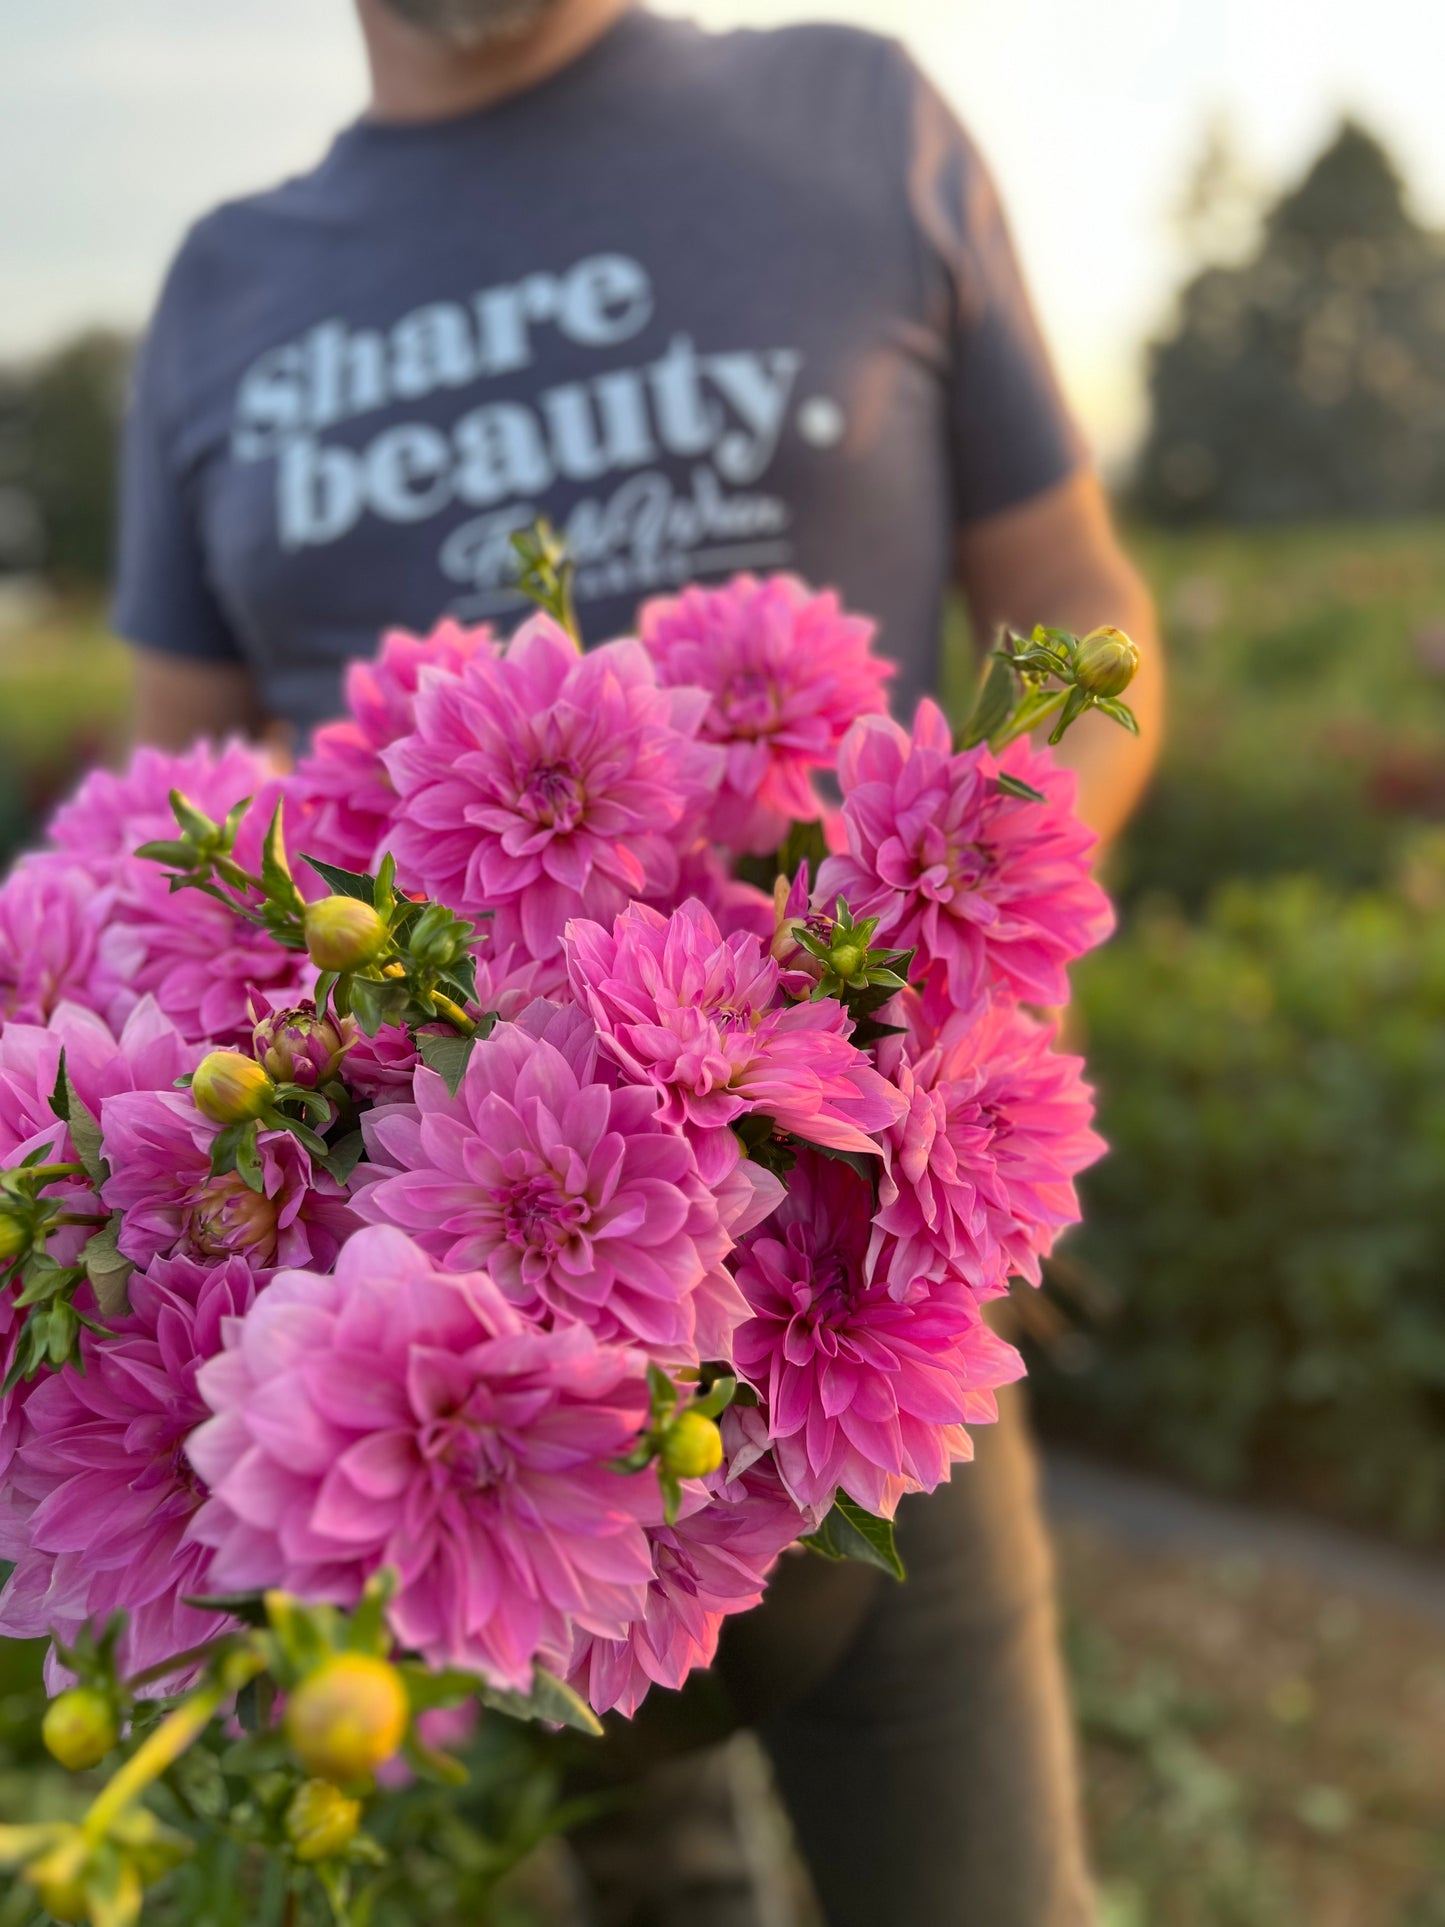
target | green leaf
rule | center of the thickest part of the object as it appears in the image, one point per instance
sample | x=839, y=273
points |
x=344, y=1155
x=175, y=855
x=195, y=823
x=1015, y=786
x=550, y=1699
x=804, y=843
x=848, y=1532
x=106, y=1269
x=248, y=1607
x=1118, y=712
x=248, y=1159
x=448, y=1056
x=276, y=878
x=1076, y=703
x=993, y=704
x=84, y=1130
x=343, y=883
x=450, y=1686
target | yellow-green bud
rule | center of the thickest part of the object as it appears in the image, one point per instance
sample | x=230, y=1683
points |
x=691, y=1446
x=14, y=1237
x=229, y=1088
x=847, y=959
x=321, y=1820
x=79, y=1728
x=1106, y=663
x=343, y=933
x=347, y=1717
x=59, y=1877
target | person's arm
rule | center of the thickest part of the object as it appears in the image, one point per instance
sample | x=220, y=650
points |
x=1055, y=559
x=175, y=699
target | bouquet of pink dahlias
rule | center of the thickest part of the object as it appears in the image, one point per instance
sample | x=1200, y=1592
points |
x=471, y=1206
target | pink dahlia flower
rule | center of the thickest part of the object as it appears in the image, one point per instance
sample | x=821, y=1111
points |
x=114, y=810
x=988, y=888
x=787, y=672
x=158, y=1146
x=578, y=1199
x=695, y=1014
x=390, y=1414
x=546, y=784
x=342, y=784
x=979, y=1175
x=862, y=1393
x=99, y=1480
x=51, y=917
x=148, y=1056
x=714, y=1561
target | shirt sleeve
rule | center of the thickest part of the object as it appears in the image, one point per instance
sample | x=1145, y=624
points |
x=163, y=598
x=1011, y=433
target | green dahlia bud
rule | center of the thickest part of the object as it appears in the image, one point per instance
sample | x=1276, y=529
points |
x=321, y=1820
x=691, y=1446
x=342, y=933
x=15, y=1237
x=348, y=1717
x=847, y=959
x=62, y=1892
x=229, y=1088
x=79, y=1728
x=1106, y=663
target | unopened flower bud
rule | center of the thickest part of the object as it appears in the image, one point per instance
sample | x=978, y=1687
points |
x=1106, y=663
x=691, y=1446
x=228, y=1216
x=79, y=1728
x=321, y=1820
x=343, y=933
x=229, y=1088
x=59, y=1877
x=301, y=1047
x=847, y=959
x=348, y=1717
x=15, y=1237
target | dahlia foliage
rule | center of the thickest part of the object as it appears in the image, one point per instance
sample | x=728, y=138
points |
x=472, y=1204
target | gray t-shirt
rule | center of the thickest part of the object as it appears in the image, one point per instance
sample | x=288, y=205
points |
x=710, y=302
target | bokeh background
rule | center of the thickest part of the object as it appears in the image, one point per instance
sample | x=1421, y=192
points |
x=1232, y=217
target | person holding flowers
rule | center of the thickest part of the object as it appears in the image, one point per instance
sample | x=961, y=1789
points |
x=734, y=312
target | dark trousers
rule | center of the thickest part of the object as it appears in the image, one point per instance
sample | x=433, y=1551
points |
x=919, y=1733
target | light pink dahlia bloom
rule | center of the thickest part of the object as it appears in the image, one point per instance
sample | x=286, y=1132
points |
x=787, y=672
x=979, y=1177
x=101, y=1489
x=158, y=1146
x=696, y=1014
x=861, y=1392
x=989, y=889
x=346, y=795
x=712, y=1562
x=391, y=1414
x=51, y=916
x=580, y=1201
x=546, y=784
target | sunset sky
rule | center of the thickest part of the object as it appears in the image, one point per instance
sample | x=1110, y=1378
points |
x=118, y=125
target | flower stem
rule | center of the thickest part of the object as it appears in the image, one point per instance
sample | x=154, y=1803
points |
x=453, y=1014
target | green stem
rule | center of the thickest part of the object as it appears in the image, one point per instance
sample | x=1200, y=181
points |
x=1033, y=710
x=52, y=1173
x=176, y=1663
x=453, y=1014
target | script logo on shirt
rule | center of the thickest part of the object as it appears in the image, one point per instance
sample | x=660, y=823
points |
x=692, y=432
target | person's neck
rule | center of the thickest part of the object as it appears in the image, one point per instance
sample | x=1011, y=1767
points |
x=417, y=77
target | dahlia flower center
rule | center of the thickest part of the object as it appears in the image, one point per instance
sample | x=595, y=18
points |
x=553, y=794
x=471, y=1456
x=751, y=704
x=538, y=1215
x=227, y=1215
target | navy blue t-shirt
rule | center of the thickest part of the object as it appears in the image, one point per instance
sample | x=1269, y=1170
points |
x=710, y=302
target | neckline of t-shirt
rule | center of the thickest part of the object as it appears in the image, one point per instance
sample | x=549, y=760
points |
x=618, y=39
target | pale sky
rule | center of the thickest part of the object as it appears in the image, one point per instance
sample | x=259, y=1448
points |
x=120, y=124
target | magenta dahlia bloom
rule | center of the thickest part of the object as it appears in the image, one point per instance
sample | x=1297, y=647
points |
x=695, y=1014
x=862, y=1393
x=342, y=784
x=979, y=1176
x=989, y=889
x=714, y=1561
x=391, y=1414
x=580, y=1201
x=51, y=918
x=546, y=784
x=148, y=1056
x=101, y=1490
x=787, y=672
x=158, y=1146
x=114, y=810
